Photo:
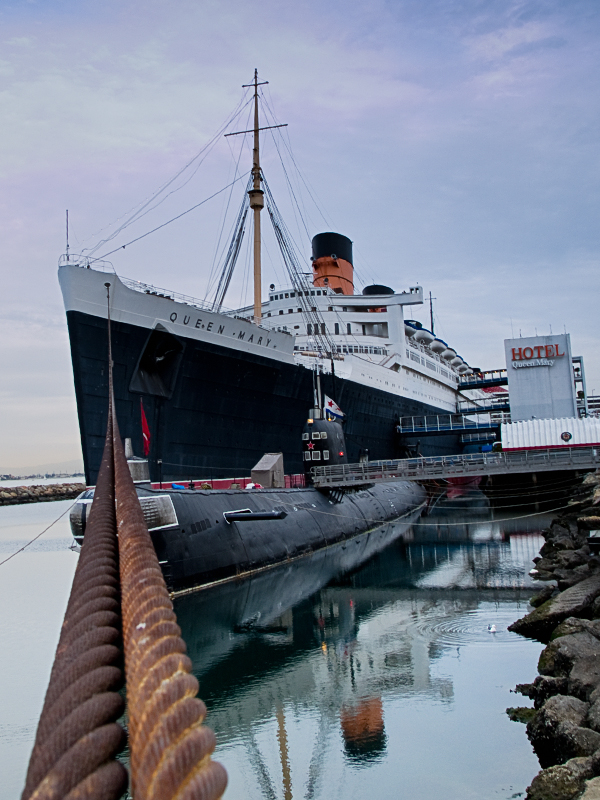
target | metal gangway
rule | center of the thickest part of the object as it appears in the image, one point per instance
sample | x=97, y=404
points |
x=483, y=380
x=443, y=467
x=482, y=437
x=484, y=406
x=442, y=423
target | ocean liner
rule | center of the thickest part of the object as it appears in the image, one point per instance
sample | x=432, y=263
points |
x=212, y=389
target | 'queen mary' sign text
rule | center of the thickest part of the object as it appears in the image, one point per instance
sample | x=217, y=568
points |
x=537, y=356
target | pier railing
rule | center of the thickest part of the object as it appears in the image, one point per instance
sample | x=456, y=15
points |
x=436, y=467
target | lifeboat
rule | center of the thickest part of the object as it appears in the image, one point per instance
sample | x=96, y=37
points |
x=438, y=346
x=448, y=354
x=456, y=362
x=425, y=336
x=464, y=369
x=410, y=329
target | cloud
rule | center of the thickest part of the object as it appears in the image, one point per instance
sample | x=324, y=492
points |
x=454, y=143
x=499, y=43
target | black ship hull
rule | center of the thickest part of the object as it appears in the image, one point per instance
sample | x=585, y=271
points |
x=214, y=411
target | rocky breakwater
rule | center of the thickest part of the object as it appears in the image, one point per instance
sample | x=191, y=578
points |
x=564, y=725
x=14, y=495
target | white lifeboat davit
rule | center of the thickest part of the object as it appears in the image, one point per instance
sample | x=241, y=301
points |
x=438, y=346
x=425, y=336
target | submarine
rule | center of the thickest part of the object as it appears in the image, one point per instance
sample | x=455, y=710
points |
x=207, y=536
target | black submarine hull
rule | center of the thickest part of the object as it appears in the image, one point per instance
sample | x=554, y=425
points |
x=198, y=539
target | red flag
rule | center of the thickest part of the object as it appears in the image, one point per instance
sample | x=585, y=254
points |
x=145, y=430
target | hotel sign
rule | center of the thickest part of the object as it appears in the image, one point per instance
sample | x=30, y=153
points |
x=548, y=390
x=538, y=356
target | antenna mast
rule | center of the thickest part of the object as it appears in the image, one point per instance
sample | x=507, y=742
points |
x=431, y=299
x=67, y=234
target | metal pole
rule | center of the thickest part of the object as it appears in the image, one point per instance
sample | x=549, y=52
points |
x=257, y=203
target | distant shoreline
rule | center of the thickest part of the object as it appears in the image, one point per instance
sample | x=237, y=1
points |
x=39, y=493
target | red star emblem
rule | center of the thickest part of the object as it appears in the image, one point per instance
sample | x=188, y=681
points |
x=311, y=446
x=330, y=404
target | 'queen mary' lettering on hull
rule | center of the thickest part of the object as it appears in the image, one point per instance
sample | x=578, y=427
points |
x=212, y=327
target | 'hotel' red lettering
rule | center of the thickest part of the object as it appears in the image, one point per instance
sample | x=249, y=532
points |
x=526, y=353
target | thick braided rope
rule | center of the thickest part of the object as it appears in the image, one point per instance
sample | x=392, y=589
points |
x=170, y=748
x=77, y=736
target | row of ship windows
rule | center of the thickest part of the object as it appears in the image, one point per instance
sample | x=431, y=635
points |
x=298, y=311
x=427, y=363
x=290, y=311
x=387, y=383
x=316, y=455
x=315, y=435
x=312, y=293
x=376, y=351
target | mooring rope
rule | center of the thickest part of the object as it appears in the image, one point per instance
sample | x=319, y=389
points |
x=170, y=748
x=78, y=737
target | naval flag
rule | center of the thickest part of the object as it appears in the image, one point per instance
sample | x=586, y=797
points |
x=145, y=430
x=332, y=409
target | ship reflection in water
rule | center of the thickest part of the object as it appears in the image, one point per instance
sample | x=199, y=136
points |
x=349, y=673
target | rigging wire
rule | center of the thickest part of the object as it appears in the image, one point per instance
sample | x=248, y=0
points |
x=217, y=257
x=233, y=251
x=246, y=275
x=35, y=538
x=298, y=279
x=134, y=217
x=292, y=192
x=284, y=133
x=288, y=146
x=173, y=219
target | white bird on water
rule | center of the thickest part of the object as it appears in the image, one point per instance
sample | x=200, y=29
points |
x=492, y=628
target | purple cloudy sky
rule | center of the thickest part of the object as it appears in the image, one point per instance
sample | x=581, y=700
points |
x=456, y=143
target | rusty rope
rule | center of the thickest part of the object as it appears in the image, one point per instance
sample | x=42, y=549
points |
x=77, y=738
x=170, y=748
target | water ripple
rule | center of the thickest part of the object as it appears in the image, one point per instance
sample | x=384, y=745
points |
x=470, y=627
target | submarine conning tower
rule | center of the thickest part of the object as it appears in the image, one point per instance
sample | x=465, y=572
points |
x=323, y=442
x=332, y=262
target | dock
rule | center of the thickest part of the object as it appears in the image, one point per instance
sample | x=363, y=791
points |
x=470, y=464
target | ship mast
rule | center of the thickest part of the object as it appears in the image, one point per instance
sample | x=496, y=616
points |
x=257, y=202
x=256, y=194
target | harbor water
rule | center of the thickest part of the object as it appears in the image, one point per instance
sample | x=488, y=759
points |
x=390, y=679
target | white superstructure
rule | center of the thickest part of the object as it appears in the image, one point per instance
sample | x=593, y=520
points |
x=368, y=334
